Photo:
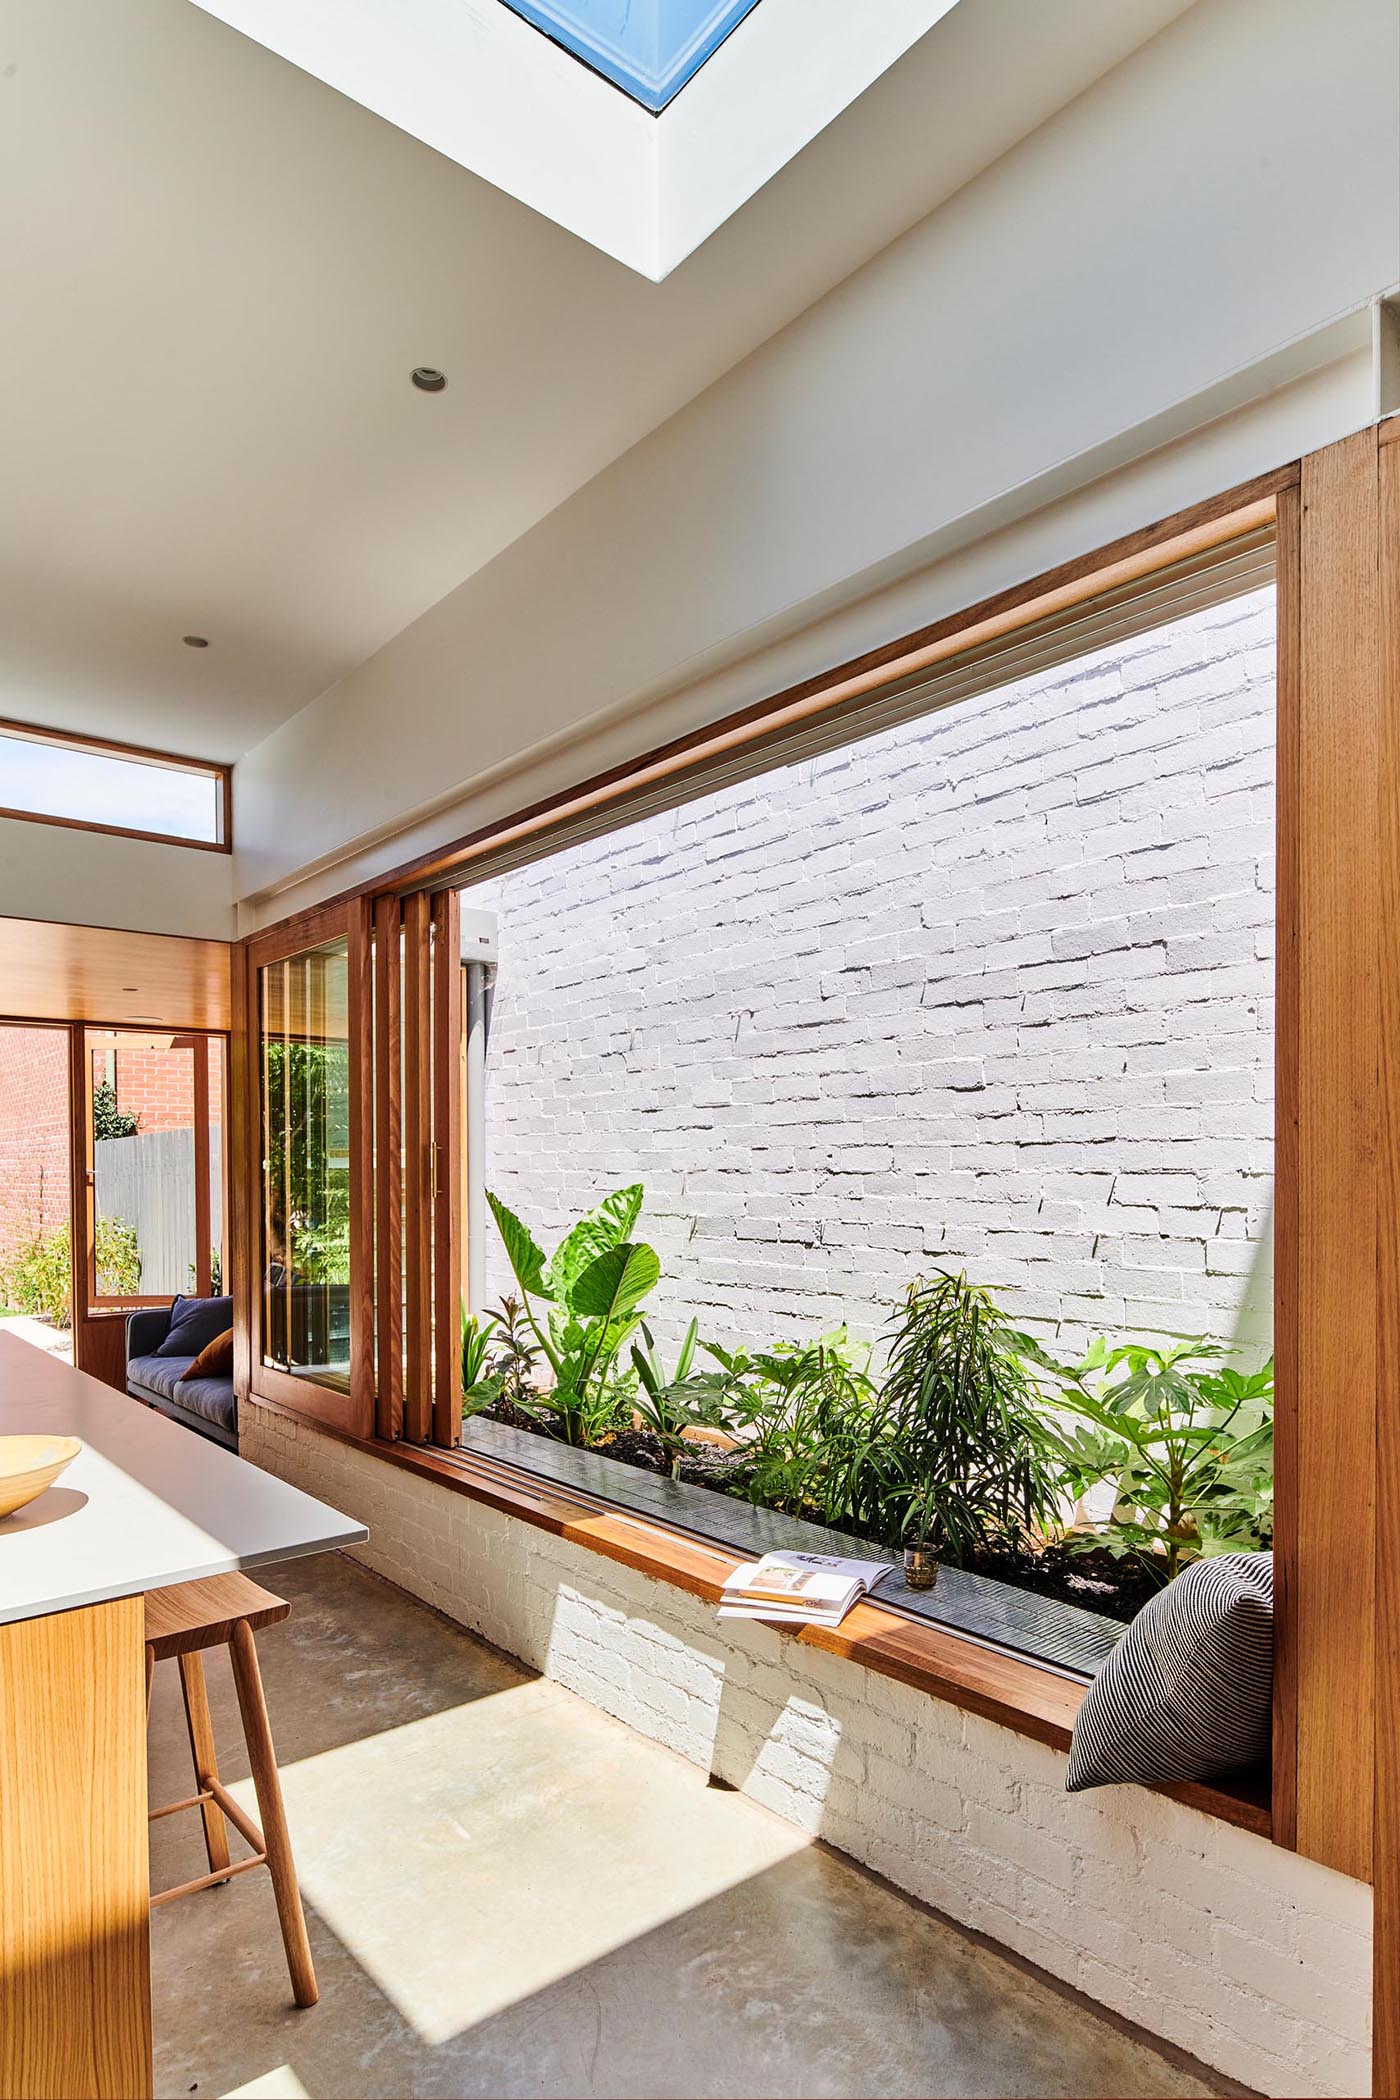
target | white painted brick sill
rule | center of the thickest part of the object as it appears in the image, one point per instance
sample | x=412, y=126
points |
x=1249, y=1957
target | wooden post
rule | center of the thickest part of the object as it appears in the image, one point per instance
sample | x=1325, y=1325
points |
x=1386, y=2024
x=388, y=1166
x=447, y=1158
x=203, y=1185
x=359, y=1032
x=1331, y=1580
x=417, y=1096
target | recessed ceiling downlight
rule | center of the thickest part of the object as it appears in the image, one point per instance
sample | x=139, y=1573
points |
x=428, y=379
x=195, y=641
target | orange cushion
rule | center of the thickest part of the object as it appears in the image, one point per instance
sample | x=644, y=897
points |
x=215, y=1359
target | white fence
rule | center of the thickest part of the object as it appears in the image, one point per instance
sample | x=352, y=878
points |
x=147, y=1181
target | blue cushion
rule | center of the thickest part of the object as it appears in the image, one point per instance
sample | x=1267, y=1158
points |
x=194, y=1323
x=209, y=1398
x=160, y=1374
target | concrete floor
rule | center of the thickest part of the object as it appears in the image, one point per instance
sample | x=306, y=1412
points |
x=509, y=1893
x=54, y=1341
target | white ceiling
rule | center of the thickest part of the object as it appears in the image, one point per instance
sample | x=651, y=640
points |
x=217, y=273
x=482, y=85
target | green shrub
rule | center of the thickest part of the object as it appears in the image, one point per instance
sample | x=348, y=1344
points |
x=963, y=1451
x=807, y=1420
x=38, y=1278
x=109, y=1121
x=514, y=1358
x=481, y=1386
x=1187, y=1442
x=117, y=1258
x=947, y=1446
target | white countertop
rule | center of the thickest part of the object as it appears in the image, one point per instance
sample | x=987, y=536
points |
x=144, y=1504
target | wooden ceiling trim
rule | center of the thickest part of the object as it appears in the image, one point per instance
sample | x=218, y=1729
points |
x=53, y=972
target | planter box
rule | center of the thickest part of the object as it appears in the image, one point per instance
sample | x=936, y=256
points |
x=1064, y=1636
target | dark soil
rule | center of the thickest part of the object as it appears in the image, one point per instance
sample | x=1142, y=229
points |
x=1096, y=1580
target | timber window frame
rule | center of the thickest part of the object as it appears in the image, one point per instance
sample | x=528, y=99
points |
x=200, y=1047
x=350, y=1409
x=1335, y=518
x=219, y=777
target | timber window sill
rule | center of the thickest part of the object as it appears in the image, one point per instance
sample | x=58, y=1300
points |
x=1017, y=1694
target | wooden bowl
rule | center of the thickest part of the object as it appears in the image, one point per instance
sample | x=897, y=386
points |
x=29, y=1464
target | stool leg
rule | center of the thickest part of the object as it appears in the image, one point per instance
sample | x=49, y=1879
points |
x=206, y=1767
x=263, y=1759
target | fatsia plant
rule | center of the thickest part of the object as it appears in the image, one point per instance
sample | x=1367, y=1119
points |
x=583, y=1304
x=810, y=1418
x=1186, y=1441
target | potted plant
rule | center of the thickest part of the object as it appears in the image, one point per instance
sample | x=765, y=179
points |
x=923, y=1541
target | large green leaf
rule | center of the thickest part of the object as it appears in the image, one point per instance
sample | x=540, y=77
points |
x=613, y=1286
x=607, y=1226
x=524, y=1251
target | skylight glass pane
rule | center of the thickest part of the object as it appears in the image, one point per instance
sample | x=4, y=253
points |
x=84, y=785
x=649, y=48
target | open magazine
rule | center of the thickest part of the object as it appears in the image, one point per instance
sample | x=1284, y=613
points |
x=807, y=1589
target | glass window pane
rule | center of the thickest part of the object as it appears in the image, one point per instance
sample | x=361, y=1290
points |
x=648, y=48
x=305, y=1073
x=40, y=778
x=912, y=1070
x=143, y=1156
x=35, y=1188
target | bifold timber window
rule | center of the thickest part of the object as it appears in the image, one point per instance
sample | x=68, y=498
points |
x=311, y=1310
x=99, y=786
x=356, y=1318
x=418, y=1077
x=1323, y=536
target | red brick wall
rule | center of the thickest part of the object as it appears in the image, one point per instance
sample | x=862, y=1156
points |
x=158, y=1085
x=154, y=1084
x=33, y=1133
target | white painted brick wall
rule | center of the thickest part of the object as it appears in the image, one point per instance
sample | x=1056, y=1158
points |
x=1251, y=1958
x=992, y=989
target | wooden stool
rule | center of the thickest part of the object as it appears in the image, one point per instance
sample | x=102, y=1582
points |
x=226, y=1611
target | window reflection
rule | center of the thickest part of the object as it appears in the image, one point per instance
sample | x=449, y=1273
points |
x=305, y=1080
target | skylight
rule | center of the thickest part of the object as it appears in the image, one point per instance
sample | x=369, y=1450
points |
x=525, y=94
x=648, y=48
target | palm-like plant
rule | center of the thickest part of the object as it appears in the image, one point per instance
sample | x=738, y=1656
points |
x=962, y=1454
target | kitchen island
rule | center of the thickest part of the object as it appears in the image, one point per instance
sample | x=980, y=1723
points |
x=145, y=1504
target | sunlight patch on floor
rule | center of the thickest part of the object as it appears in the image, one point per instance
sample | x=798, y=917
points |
x=281, y=2084
x=474, y=1857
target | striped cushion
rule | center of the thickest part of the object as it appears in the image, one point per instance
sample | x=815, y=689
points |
x=1188, y=1690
